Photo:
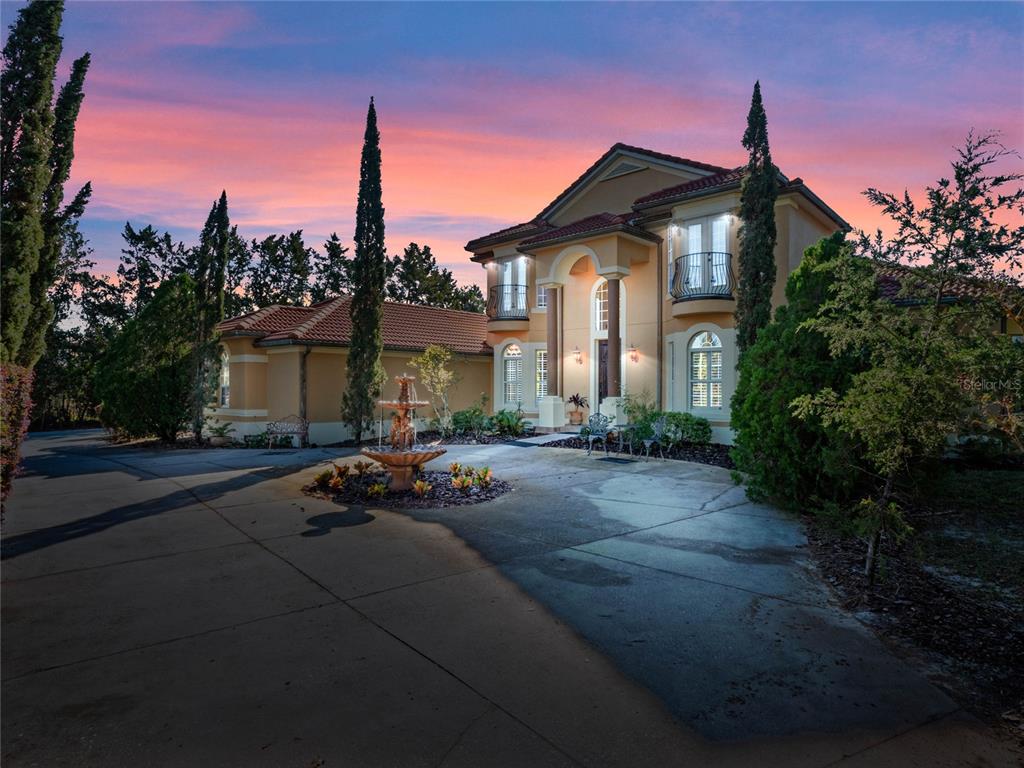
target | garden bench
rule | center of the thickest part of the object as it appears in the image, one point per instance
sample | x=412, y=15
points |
x=289, y=426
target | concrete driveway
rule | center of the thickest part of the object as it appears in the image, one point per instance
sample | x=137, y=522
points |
x=168, y=608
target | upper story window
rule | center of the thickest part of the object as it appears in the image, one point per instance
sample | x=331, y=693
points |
x=601, y=306
x=699, y=259
x=224, y=394
x=706, y=371
x=512, y=285
x=512, y=374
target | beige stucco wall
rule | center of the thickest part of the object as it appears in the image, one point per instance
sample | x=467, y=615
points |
x=265, y=385
x=617, y=194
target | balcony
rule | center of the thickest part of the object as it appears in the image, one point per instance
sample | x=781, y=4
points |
x=705, y=275
x=507, y=302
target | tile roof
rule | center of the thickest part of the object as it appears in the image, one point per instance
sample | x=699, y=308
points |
x=599, y=222
x=405, y=326
x=508, y=233
x=722, y=179
x=540, y=222
x=620, y=147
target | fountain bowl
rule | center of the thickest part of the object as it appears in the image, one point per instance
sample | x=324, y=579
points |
x=402, y=463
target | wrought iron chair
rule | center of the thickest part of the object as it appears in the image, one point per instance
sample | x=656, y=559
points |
x=598, y=427
x=657, y=438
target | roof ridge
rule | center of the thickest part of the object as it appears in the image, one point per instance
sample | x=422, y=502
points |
x=325, y=308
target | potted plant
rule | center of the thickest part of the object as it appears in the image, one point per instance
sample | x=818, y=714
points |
x=219, y=434
x=578, y=403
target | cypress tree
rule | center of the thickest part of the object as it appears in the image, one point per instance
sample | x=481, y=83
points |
x=26, y=124
x=757, y=231
x=54, y=219
x=369, y=275
x=211, y=260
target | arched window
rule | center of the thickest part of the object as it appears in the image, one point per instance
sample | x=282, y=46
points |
x=601, y=306
x=512, y=374
x=224, y=397
x=706, y=371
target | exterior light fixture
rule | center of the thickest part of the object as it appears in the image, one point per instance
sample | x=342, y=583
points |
x=577, y=355
x=634, y=353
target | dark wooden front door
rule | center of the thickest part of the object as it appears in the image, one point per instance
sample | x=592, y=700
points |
x=602, y=372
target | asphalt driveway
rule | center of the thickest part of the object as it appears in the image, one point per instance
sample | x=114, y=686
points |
x=173, y=608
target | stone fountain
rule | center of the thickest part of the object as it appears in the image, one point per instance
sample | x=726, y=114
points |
x=403, y=456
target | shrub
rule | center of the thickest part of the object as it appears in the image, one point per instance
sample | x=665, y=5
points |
x=337, y=483
x=508, y=423
x=791, y=461
x=687, y=428
x=16, y=404
x=341, y=470
x=484, y=477
x=473, y=420
x=455, y=468
x=376, y=490
x=144, y=381
x=362, y=468
x=259, y=440
x=421, y=488
x=322, y=479
x=463, y=483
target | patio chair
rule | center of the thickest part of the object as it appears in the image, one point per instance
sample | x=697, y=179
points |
x=657, y=438
x=598, y=427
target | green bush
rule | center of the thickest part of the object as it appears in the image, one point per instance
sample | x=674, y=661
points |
x=144, y=380
x=680, y=428
x=793, y=462
x=509, y=423
x=473, y=420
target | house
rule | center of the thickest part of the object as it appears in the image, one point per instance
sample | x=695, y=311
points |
x=284, y=361
x=626, y=282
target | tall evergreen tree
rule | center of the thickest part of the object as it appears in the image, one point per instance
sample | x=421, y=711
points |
x=757, y=231
x=369, y=275
x=147, y=259
x=331, y=271
x=211, y=262
x=54, y=218
x=26, y=125
x=280, y=270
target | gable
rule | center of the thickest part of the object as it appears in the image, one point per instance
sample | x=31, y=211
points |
x=616, y=180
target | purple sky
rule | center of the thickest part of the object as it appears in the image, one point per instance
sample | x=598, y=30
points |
x=487, y=111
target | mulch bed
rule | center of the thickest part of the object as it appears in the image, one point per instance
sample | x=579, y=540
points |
x=976, y=646
x=441, y=495
x=431, y=437
x=713, y=453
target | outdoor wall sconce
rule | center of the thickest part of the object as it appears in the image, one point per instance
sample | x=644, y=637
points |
x=577, y=355
x=634, y=353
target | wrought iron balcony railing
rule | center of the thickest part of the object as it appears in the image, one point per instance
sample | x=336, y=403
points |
x=705, y=275
x=507, y=302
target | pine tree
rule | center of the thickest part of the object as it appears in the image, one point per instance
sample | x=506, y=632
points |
x=211, y=261
x=369, y=275
x=54, y=219
x=26, y=125
x=331, y=271
x=757, y=232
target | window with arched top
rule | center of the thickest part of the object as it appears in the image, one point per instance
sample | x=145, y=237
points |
x=224, y=395
x=601, y=306
x=512, y=374
x=706, y=371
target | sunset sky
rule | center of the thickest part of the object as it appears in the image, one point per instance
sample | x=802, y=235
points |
x=487, y=111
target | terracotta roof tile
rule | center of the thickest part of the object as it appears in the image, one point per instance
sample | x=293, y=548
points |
x=595, y=223
x=708, y=182
x=405, y=326
x=508, y=233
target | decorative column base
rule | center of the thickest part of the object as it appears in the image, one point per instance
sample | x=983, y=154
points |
x=551, y=412
x=614, y=407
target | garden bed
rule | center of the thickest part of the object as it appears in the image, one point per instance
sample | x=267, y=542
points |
x=711, y=453
x=443, y=493
x=953, y=594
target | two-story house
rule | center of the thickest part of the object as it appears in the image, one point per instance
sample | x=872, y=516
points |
x=626, y=282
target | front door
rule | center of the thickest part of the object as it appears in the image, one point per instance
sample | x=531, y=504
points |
x=602, y=372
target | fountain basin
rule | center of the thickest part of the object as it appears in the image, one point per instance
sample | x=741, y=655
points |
x=403, y=463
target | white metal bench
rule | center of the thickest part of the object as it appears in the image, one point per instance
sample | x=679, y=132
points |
x=289, y=426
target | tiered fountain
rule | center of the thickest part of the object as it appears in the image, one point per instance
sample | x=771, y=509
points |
x=403, y=456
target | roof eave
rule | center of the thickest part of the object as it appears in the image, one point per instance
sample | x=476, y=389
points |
x=626, y=229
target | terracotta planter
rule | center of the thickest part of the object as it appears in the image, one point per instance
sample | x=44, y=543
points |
x=219, y=442
x=575, y=418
